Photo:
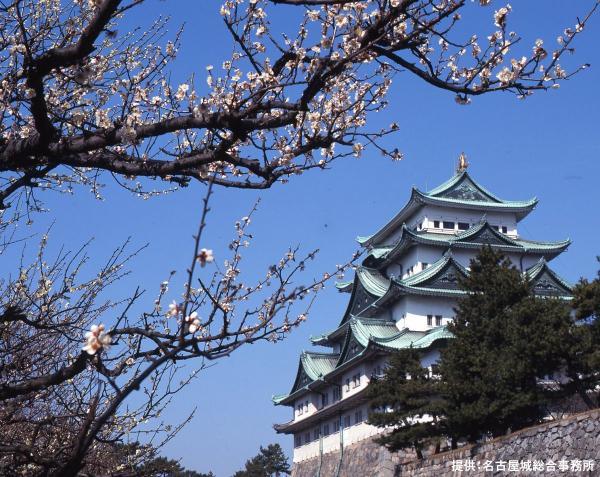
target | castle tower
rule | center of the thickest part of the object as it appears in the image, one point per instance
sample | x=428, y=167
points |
x=403, y=294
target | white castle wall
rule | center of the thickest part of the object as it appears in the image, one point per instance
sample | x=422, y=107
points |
x=313, y=406
x=332, y=442
x=355, y=432
x=411, y=311
x=426, y=216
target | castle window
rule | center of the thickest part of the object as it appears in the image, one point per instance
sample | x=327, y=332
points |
x=355, y=381
x=336, y=426
x=307, y=438
x=438, y=320
x=305, y=406
x=358, y=416
x=316, y=434
x=297, y=440
x=326, y=429
x=449, y=225
x=429, y=320
x=435, y=370
x=377, y=371
x=347, y=384
x=300, y=410
x=425, y=265
x=463, y=226
x=436, y=224
x=325, y=399
x=346, y=421
x=504, y=229
x=336, y=394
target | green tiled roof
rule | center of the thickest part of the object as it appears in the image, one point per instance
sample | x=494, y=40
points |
x=431, y=336
x=462, y=188
x=546, y=281
x=373, y=281
x=467, y=239
x=431, y=271
x=388, y=336
x=344, y=286
x=364, y=329
x=460, y=191
x=317, y=365
x=455, y=181
x=477, y=204
x=370, y=334
x=278, y=398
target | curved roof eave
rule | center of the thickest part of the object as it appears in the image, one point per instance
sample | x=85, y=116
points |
x=408, y=237
x=521, y=208
x=398, y=219
x=542, y=265
x=419, y=198
x=370, y=343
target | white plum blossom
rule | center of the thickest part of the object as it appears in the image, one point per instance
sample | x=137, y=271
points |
x=174, y=309
x=193, y=322
x=170, y=49
x=505, y=75
x=357, y=149
x=559, y=72
x=205, y=256
x=313, y=15
x=538, y=50
x=500, y=16
x=96, y=339
x=182, y=91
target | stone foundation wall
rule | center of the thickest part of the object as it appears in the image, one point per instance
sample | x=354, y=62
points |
x=364, y=458
x=575, y=438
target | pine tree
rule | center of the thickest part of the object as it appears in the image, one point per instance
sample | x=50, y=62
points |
x=270, y=461
x=407, y=397
x=506, y=340
x=583, y=355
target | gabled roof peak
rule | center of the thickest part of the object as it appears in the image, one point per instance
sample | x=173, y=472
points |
x=463, y=186
x=462, y=192
x=546, y=281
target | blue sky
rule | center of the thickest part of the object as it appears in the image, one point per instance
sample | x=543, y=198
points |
x=546, y=146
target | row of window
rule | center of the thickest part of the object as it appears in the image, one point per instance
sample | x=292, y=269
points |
x=336, y=395
x=438, y=320
x=302, y=408
x=414, y=268
x=353, y=383
x=328, y=428
x=449, y=225
x=439, y=224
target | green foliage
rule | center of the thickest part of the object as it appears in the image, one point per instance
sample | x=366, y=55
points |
x=269, y=461
x=583, y=355
x=405, y=394
x=505, y=341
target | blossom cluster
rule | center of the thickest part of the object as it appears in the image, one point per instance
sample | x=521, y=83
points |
x=96, y=339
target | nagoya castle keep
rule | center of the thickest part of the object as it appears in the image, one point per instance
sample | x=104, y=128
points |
x=403, y=295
